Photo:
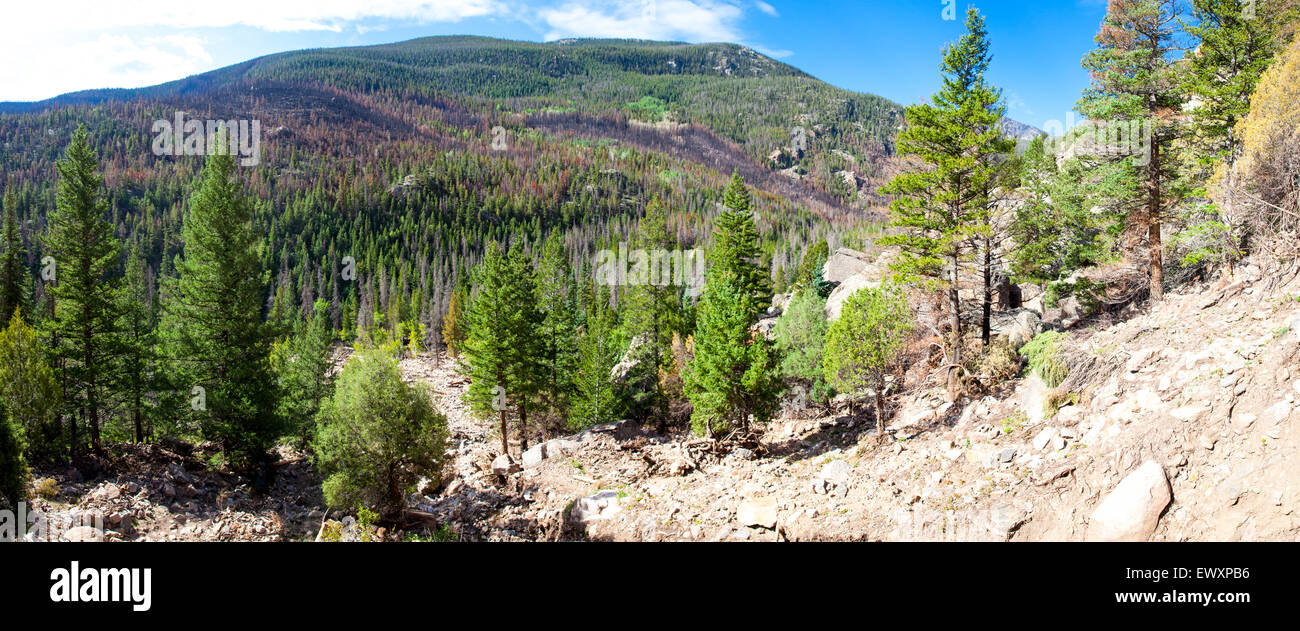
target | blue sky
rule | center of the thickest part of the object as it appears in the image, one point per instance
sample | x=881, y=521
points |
x=886, y=47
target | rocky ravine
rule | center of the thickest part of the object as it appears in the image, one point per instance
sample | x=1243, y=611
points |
x=1182, y=431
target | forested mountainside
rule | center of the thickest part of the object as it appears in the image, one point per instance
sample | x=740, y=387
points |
x=385, y=153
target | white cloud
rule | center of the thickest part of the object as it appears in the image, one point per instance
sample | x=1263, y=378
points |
x=70, y=45
x=688, y=20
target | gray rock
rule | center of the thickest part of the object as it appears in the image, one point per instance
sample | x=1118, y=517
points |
x=1007, y=455
x=836, y=472
x=843, y=264
x=84, y=533
x=598, y=506
x=1132, y=511
x=1017, y=327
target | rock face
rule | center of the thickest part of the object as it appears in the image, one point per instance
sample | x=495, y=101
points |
x=843, y=264
x=851, y=270
x=1017, y=327
x=1132, y=510
x=757, y=511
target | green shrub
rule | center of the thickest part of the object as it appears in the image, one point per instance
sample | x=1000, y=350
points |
x=13, y=467
x=866, y=341
x=1045, y=360
x=377, y=436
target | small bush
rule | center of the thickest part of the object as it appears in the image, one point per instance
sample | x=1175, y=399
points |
x=46, y=488
x=1045, y=360
x=999, y=363
x=377, y=436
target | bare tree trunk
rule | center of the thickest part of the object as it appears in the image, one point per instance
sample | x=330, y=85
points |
x=523, y=427
x=954, y=321
x=505, y=443
x=880, y=408
x=1153, y=222
x=988, y=294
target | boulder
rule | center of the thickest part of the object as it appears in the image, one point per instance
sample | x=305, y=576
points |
x=757, y=511
x=1017, y=326
x=553, y=448
x=836, y=472
x=503, y=465
x=598, y=506
x=1132, y=510
x=843, y=264
x=84, y=533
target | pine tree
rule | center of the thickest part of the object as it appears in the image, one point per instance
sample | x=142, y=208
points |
x=453, y=331
x=736, y=249
x=302, y=364
x=85, y=297
x=500, y=348
x=15, y=282
x=557, y=302
x=216, y=341
x=1135, y=78
x=653, y=311
x=595, y=399
x=135, y=375
x=13, y=466
x=734, y=377
x=943, y=208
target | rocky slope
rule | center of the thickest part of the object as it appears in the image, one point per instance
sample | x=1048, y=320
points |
x=1179, y=426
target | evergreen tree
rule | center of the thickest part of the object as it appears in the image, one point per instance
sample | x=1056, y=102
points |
x=500, y=348
x=734, y=377
x=85, y=296
x=15, y=282
x=736, y=249
x=1135, y=78
x=302, y=364
x=377, y=436
x=29, y=391
x=215, y=338
x=595, y=399
x=865, y=342
x=13, y=466
x=800, y=335
x=653, y=312
x=557, y=302
x=136, y=321
x=453, y=330
x=943, y=208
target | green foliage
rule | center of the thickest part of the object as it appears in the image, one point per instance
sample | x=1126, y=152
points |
x=29, y=392
x=136, y=375
x=653, y=315
x=85, y=251
x=1057, y=227
x=557, y=300
x=1044, y=353
x=503, y=349
x=15, y=279
x=734, y=374
x=213, y=333
x=302, y=365
x=800, y=335
x=13, y=466
x=736, y=249
x=865, y=343
x=377, y=436
x=595, y=399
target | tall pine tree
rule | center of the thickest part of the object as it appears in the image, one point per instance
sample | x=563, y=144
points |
x=85, y=295
x=943, y=208
x=15, y=282
x=215, y=337
x=1135, y=78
